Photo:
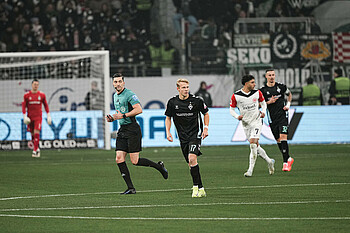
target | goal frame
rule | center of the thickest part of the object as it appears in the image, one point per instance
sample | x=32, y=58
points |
x=106, y=77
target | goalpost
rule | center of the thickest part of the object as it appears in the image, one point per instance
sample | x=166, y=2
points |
x=78, y=90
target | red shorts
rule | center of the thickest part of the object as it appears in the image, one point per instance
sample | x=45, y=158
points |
x=34, y=124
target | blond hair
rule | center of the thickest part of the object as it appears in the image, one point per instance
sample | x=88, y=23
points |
x=181, y=80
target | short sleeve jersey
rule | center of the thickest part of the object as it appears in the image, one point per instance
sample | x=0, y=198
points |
x=248, y=105
x=33, y=103
x=186, y=116
x=275, y=110
x=124, y=102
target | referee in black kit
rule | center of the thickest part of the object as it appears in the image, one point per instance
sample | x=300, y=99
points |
x=185, y=110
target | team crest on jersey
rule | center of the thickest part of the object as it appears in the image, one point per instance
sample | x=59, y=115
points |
x=190, y=106
x=122, y=109
x=254, y=100
x=30, y=98
x=39, y=98
x=176, y=106
x=278, y=90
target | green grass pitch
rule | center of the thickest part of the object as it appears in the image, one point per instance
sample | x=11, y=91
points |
x=78, y=191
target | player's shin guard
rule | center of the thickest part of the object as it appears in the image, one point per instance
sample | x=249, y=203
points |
x=262, y=154
x=196, y=176
x=124, y=171
x=285, y=151
x=36, y=141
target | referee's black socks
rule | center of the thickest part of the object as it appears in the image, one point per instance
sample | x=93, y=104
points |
x=196, y=176
x=124, y=171
x=148, y=163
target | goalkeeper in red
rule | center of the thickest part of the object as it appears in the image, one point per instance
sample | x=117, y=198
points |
x=247, y=100
x=32, y=105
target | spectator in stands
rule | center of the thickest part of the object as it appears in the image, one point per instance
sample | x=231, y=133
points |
x=27, y=38
x=204, y=94
x=69, y=28
x=340, y=89
x=209, y=30
x=62, y=44
x=183, y=10
x=168, y=55
x=279, y=9
x=15, y=45
x=143, y=15
x=155, y=55
x=113, y=47
x=310, y=94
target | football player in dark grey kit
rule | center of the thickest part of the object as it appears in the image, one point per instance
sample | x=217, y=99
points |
x=185, y=110
x=277, y=113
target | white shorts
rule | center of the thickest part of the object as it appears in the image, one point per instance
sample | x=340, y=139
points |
x=253, y=131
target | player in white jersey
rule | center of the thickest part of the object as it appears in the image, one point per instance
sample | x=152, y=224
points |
x=247, y=100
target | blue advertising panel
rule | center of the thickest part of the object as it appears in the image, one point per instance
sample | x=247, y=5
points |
x=308, y=125
x=65, y=125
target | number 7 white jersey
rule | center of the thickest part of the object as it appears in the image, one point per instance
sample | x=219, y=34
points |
x=248, y=105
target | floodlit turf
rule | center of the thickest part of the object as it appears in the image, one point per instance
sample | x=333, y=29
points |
x=78, y=191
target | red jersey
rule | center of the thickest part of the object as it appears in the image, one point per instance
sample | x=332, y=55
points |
x=33, y=102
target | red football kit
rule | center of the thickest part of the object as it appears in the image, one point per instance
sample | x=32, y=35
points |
x=33, y=102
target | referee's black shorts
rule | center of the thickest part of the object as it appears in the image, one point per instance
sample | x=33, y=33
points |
x=279, y=126
x=129, y=138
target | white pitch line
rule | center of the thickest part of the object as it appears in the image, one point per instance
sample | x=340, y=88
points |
x=177, y=205
x=173, y=190
x=162, y=219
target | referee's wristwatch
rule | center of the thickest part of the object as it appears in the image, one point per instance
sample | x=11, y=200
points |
x=124, y=116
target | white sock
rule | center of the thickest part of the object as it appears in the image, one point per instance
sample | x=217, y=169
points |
x=262, y=154
x=252, y=157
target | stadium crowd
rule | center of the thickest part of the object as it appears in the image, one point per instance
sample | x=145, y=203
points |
x=124, y=27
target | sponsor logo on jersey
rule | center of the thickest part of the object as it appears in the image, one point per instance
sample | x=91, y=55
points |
x=249, y=107
x=34, y=102
x=278, y=90
x=184, y=114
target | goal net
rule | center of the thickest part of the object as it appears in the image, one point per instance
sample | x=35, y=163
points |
x=77, y=89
